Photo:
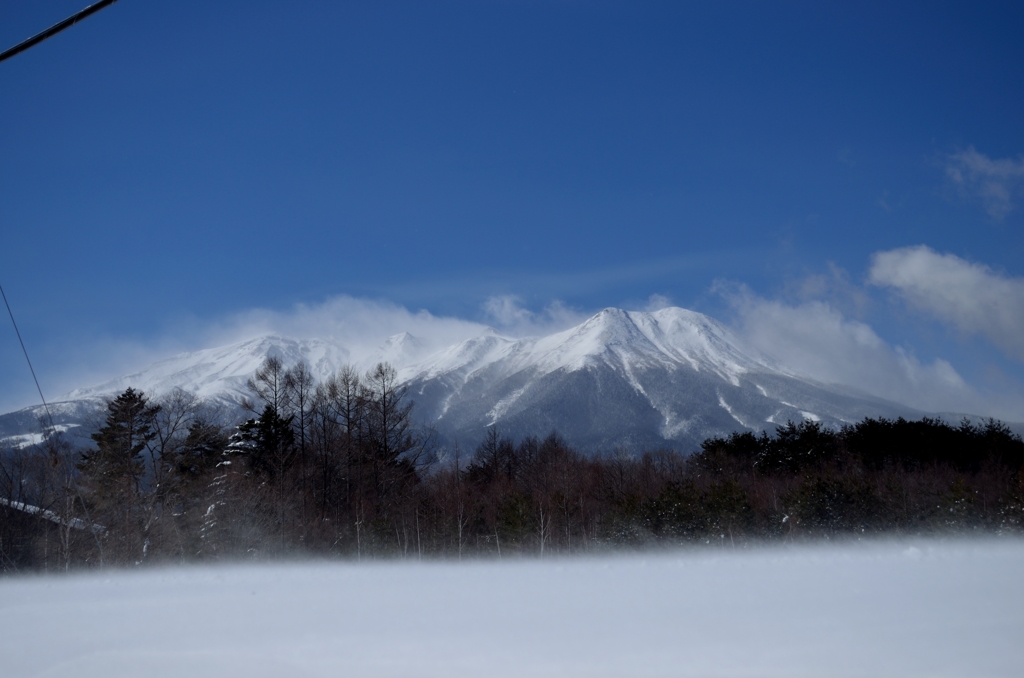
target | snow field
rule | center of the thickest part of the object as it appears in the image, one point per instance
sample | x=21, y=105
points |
x=920, y=608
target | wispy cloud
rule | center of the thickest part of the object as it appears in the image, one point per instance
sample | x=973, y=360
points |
x=817, y=340
x=817, y=327
x=656, y=302
x=970, y=296
x=833, y=286
x=540, y=284
x=996, y=182
x=507, y=313
x=360, y=325
x=506, y=309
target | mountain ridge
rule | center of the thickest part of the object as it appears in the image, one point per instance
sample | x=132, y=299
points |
x=634, y=379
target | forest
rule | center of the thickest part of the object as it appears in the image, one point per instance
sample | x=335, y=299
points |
x=340, y=469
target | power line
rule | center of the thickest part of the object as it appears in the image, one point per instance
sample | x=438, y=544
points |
x=55, y=29
x=25, y=351
x=53, y=429
x=7, y=54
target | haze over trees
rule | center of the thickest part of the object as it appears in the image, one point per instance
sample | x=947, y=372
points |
x=340, y=468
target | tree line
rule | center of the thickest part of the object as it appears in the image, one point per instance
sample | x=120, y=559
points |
x=339, y=468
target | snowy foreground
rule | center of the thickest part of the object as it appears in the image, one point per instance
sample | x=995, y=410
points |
x=886, y=609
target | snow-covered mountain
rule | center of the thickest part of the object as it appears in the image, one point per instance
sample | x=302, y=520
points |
x=672, y=377
x=223, y=371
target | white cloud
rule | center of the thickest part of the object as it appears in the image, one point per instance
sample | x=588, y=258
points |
x=971, y=297
x=507, y=313
x=816, y=340
x=656, y=302
x=993, y=181
x=835, y=287
x=360, y=324
x=817, y=333
x=506, y=310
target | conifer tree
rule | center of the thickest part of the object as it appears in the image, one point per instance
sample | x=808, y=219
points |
x=115, y=471
x=267, y=443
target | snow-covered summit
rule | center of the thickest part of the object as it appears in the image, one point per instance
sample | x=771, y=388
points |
x=669, y=338
x=619, y=377
x=220, y=371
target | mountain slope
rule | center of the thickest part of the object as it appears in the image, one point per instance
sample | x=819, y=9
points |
x=671, y=377
x=625, y=379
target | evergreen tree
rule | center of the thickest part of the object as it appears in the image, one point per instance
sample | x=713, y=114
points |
x=114, y=472
x=267, y=444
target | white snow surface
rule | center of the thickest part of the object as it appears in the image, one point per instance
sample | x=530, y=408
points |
x=875, y=610
x=30, y=439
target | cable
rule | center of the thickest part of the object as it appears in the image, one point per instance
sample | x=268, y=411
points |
x=55, y=29
x=53, y=429
x=7, y=54
x=25, y=351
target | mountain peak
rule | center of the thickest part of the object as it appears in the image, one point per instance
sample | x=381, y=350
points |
x=402, y=340
x=618, y=377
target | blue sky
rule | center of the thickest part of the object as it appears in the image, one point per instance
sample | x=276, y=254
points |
x=166, y=168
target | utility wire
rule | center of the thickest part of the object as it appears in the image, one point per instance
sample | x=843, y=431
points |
x=53, y=429
x=7, y=54
x=55, y=29
x=25, y=351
